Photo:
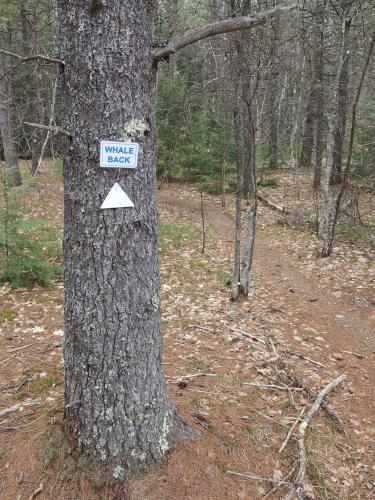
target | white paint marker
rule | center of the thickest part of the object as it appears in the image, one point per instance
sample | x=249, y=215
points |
x=117, y=198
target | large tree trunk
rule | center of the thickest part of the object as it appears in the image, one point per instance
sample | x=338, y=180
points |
x=117, y=407
x=342, y=96
x=12, y=171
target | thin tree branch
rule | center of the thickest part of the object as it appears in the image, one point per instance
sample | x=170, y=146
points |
x=34, y=57
x=51, y=119
x=181, y=40
x=55, y=130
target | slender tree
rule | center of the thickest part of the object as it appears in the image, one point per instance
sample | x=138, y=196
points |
x=342, y=94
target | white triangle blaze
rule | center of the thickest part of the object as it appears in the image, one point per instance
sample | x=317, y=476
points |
x=117, y=198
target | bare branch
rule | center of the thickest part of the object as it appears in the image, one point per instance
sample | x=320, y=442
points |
x=12, y=409
x=39, y=57
x=50, y=126
x=181, y=40
x=298, y=486
x=55, y=130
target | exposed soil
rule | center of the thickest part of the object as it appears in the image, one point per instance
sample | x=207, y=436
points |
x=207, y=366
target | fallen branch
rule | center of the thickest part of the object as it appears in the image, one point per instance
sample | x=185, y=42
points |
x=286, y=441
x=302, y=356
x=284, y=349
x=194, y=375
x=7, y=359
x=356, y=354
x=37, y=492
x=258, y=478
x=20, y=348
x=245, y=334
x=270, y=419
x=272, y=205
x=265, y=375
x=312, y=396
x=271, y=492
x=298, y=485
x=11, y=409
x=272, y=386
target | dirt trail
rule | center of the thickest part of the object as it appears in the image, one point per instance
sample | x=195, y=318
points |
x=347, y=326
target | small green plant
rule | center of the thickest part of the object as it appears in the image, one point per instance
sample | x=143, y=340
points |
x=353, y=235
x=41, y=385
x=173, y=236
x=252, y=430
x=213, y=187
x=223, y=276
x=29, y=250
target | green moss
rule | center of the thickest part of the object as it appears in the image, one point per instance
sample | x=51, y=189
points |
x=41, y=385
x=173, y=236
x=223, y=468
x=7, y=315
x=252, y=430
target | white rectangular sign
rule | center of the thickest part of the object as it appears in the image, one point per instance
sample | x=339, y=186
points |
x=115, y=154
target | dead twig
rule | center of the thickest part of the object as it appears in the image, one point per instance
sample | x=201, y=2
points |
x=356, y=354
x=272, y=386
x=8, y=359
x=20, y=348
x=258, y=478
x=298, y=484
x=245, y=334
x=11, y=409
x=271, y=492
x=55, y=130
x=286, y=441
x=194, y=375
x=271, y=419
x=302, y=356
x=37, y=492
x=35, y=57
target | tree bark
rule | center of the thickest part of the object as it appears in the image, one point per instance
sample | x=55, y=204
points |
x=239, y=192
x=273, y=95
x=319, y=97
x=117, y=407
x=342, y=97
x=12, y=171
x=305, y=158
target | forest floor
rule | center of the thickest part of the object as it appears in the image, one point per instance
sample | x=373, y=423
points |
x=323, y=309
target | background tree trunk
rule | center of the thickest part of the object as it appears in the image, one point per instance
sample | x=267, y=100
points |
x=342, y=96
x=12, y=171
x=117, y=408
x=273, y=95
x=308, y=131
x=319, y=97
